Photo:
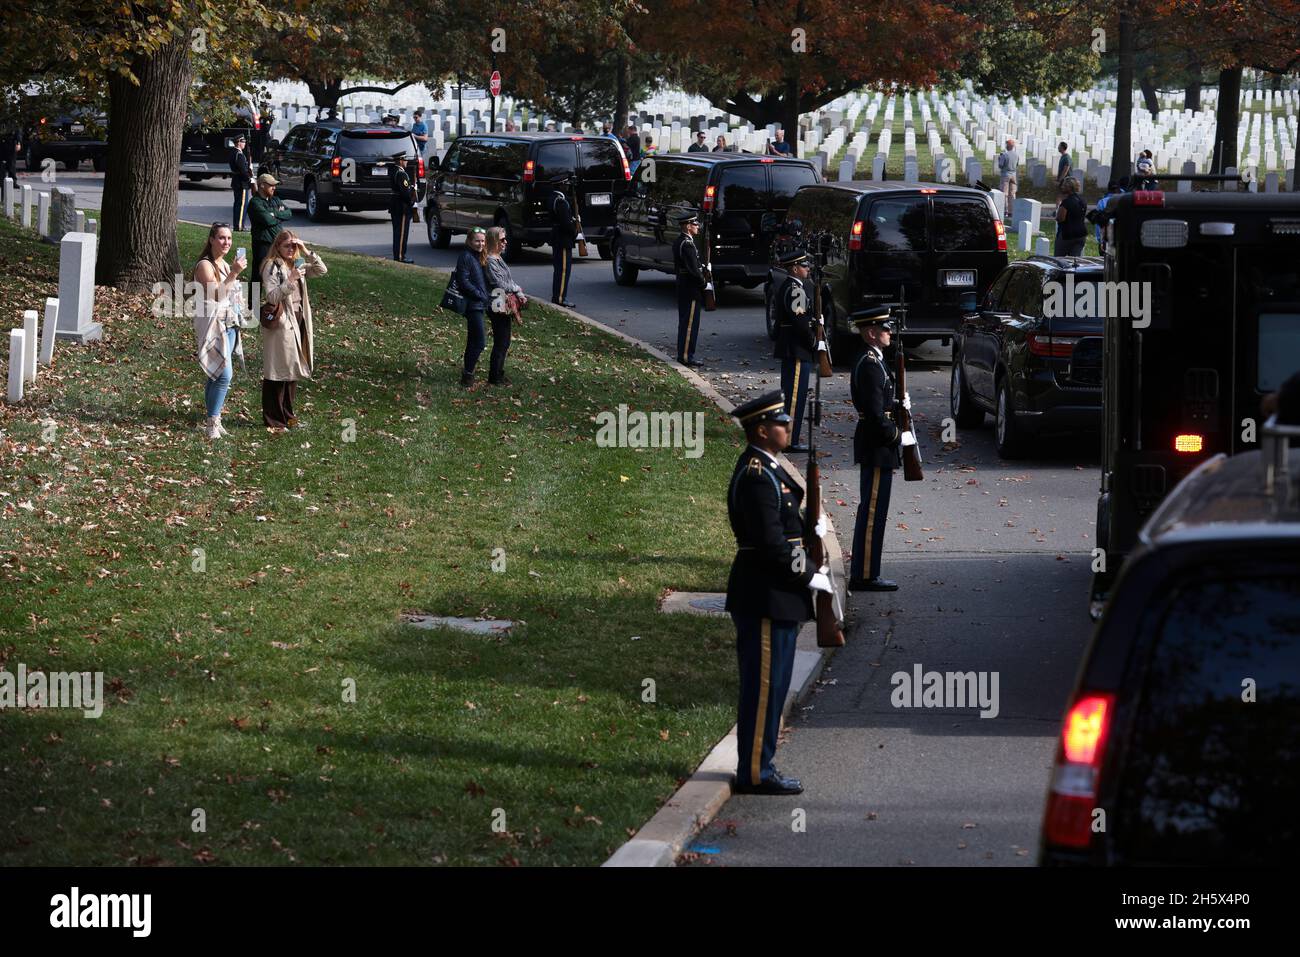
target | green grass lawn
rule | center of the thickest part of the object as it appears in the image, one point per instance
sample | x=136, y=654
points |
x=228, y=592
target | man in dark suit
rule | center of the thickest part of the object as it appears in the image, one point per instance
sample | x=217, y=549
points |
x=400, y=204
x=241, y=183
x=877, y=447
x=769, y=593
x=564, y=231
x=690, y=287
x=796, y=338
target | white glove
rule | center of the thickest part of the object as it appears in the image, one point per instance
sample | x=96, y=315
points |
x=820, y=528
x=580, y=238
x=907, y=402
x=821, y=582
x=908, y=439
x=821, y=345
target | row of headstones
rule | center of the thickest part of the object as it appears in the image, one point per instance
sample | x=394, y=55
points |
x=71, y=315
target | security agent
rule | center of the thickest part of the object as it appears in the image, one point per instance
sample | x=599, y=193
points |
x=796, y=338
x=564, y=231
x=690, y=287
x=876, y=447
x=769, y=593
x=400, y=204
x=241, y=183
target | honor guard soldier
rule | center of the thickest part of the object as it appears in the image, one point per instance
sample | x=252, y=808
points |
x=690, y=287
x=796, y=338
x=241, y=183
x=564, y=231
x=876, y=448
x=400, y=205
x=769, y=593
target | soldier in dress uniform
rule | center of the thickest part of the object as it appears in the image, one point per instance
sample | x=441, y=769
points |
x=241, y=183
x=796, y=338
x=769, y=593
x=400, y=205
x=564, y=232
x=690, y=287
x=877, y=447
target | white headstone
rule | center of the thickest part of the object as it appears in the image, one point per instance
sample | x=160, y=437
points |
x=1026, y=236
x=92, y=227
x=77, y=288
x=30, y=318
x=48, y=330
x=999, y=202
x=847, y=170
x=15, y=394
x=63, y=214
x=911, y=170
x=26, y=199
x=80, y=223
x=1028, y=210
x=43, y=215
x=1270, y=183
x=974, y=170
x=1042, y=246
x=878, y=167
x=9, y=198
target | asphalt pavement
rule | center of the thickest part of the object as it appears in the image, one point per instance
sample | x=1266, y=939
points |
x=992, y=559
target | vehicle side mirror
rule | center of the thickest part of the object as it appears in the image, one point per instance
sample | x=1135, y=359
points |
x=968, y=302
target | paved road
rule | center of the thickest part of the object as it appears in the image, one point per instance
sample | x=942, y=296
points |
x=992, y=559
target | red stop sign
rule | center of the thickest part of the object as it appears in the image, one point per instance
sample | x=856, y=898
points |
x=494, y=85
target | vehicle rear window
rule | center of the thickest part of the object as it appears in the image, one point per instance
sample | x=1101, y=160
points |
x=600, y=159
x=743, y=187
x=680, y=184
x=1213, y=764
x=963, y=225
x=897, y=225
x=786, y=180
x=372, y=145
x=555, y=159
x=1279, y=348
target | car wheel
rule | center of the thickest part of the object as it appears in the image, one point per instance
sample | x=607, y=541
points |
x=961, y=403
x=605, y=251
x=439, y=238
x=1008, y=436
x=316, y=210
x=624, y=272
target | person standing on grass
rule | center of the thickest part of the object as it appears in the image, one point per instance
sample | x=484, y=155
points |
x=216, y=323
x=1008, y=162
x=1071, y=222
x=504, y=302
x=267, y=212
x=288, y=347
x=470, y=277
x=241, y=182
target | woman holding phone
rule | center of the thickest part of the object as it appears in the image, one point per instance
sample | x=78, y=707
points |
x=472, y=280
x=287, y=342
x=217, y=322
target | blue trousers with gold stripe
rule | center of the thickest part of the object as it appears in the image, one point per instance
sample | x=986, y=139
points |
x=795, y=371
x=690, y=303
x=873, y=514
x=765, y=652
x=239, y=214
x=401, y=217
x=562, y=261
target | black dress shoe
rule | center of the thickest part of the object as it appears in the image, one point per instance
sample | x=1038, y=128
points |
x=872, y=584
x=694, y=363
x=466, y=378
x=802, y=449
x=409, y=262
x=565, y=303
x=776, y=784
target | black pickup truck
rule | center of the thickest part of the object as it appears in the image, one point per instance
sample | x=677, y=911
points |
x=69, y=139
x=205, y=152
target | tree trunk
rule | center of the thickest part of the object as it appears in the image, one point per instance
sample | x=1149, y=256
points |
x=1149, y=94
x=1226, y=117
x=1192, y=95
x=790, y=113
x=1121, y=161
x=326, y=93
x=137, y=244
x=621, y=94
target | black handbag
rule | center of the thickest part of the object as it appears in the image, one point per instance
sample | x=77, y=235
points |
x=453, y=298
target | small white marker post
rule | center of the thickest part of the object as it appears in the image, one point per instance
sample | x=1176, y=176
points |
x=15, y=394
x=30, y=318
x=48, y=330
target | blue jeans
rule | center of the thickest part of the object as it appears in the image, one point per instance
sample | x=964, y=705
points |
x=476, y=340
x=214, y=392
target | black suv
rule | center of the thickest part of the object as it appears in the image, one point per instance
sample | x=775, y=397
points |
x=743, y=199
x=913, y=246
x=68, y=139
x=1031, y=353
x=205, y=152
x=331, y=164
x=1183, y=728
x=505, y=179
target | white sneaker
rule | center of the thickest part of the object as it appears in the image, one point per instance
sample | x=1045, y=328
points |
x=211, y=428
x=221, y=429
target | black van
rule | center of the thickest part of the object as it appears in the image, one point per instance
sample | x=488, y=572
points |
x=504, y=179
x=335, y=164
x=914, y=245
x=743, y=198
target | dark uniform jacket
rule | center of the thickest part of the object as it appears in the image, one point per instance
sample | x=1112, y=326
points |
x=796, y=337
x=763, y=505
x=564, y=225
x=241, y=174
x=403, y=190
x=267, y=215
x=876, y=441
x=686, y=259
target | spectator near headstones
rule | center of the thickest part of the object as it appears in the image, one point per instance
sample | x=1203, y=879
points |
x=420, y=131
x=699, y=146
x=1146, y=174
x=268, y=213
x=721, y=145
x=1071, y=228
x=778, y=146
x=1008, y=163
x=241, y=182
x=633, y=143
x=1097, y=216
x=1063, y=168
x=9, y=146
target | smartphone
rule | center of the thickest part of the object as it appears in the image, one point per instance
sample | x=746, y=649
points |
x=299, y=262
x=239, y=253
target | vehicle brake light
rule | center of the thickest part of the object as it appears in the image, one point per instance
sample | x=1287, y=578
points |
x=1002, y=235
x=710, y=193
x=336, y=167
x=855, y=237
x=1067, y=820
x=766, y=159
x=528, y=171
x=1053, y=347
x=1148, y=197
x=576, y=139
x=419, y=170
x=928, y=192
x=1189, y=443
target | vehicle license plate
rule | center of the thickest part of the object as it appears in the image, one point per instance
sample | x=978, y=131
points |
x=77, y=128
x=959, y=277
x=598, y=199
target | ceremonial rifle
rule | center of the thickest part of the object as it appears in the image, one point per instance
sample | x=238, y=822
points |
x=911, y=453
x=710, y=295
x=824, y=369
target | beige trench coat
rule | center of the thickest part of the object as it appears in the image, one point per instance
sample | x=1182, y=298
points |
x=288, y=345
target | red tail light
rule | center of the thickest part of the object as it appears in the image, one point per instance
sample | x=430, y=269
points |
x=336, y=167
x=767, y=159
x=710, y=193
x=1189, y=443
x=1067, y=821
x=627, y=170
x=928, y=192
x=855, y=237
x=419, y=170
x=1002, y=235
x=1053, y=347
x=528, y=171
x=1148, y=197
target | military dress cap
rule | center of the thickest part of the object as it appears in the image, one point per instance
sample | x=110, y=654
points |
x=687, y=217
x=872, y=316
x=794, y=257
x=766, y=408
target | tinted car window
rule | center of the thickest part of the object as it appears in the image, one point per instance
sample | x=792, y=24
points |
x=1025, y=294
x=743, y=187
x=364, y=144
x=681, y=184
x=1279, y=348
x=963, y=224
x=451, y=162
x=1210, y=776
x=501, y=159
x=786, y=180
x=996, y=292
x=297, y=137
x=897, y=225
x=601, y=159
x=555, y=159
